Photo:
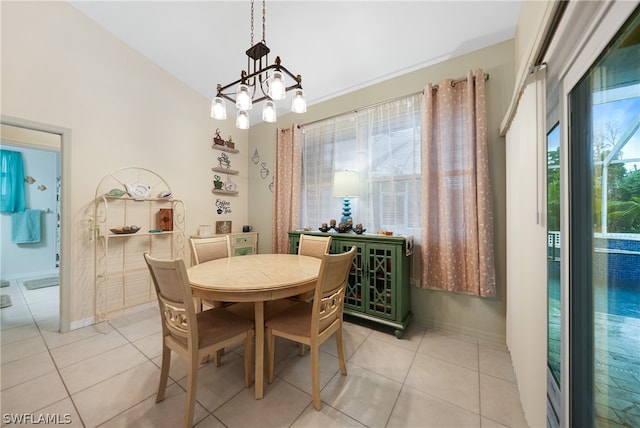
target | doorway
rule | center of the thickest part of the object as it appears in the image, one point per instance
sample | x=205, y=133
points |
x=36, y=136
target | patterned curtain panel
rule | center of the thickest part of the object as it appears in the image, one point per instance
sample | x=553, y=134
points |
x=286, y=190
x=11, y=182
x=457, y=220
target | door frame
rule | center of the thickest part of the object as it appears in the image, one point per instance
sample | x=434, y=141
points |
x=64, y=323
x=585, y=31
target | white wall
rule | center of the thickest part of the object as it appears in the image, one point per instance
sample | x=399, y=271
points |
x=33, y=258
x=60, y=68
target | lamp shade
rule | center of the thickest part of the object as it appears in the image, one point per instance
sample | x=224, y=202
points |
x=277, y=88
x=298, y=103
x=346, y=183
x=243, y=98
x=269, y=111
x=218, y=109
x=242, y=120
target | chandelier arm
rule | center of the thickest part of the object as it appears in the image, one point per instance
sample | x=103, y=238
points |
x=248, y=77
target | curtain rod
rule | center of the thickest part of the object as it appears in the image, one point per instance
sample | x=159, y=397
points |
x=435, y=88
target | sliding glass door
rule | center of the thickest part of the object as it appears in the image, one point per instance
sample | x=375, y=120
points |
x=604, y=238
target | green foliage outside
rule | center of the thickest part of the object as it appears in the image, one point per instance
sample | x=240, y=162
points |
x=623, y=188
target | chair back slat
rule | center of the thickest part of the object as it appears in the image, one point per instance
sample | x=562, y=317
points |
x=172, y=287
x=328, y=300
x=206, y=249
x=314, y=246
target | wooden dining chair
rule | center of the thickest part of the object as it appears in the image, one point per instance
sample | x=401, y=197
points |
x=190, y=334
x=313, y=246
x=206, y=249
x=312, y=323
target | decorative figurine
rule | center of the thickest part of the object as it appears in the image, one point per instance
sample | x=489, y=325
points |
x=230, y=143
x=224, y=161
x=217, y=140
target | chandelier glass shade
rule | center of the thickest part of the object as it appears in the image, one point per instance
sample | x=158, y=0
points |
x=260, y=82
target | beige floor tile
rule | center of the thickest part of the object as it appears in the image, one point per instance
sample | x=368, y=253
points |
x=327, y=417
x=363, y=395
x=488, y=423
x=280, y=406
x=111, y=397
x=496, y=363
x=15, y=316
x=23, y=348
x=34, y=394
x=86, y=348
x=151, y=345
x=49, y=295
x=143, y=328
x=452, y=349
x=216, y=385
x=149, y=414
x=382, y=358
x=61, y=413
x=500, y=401
x=296, y=370
x=410, y=339
x=93, y=370
x=19, y=333
x=49, y=324
x=57, y=339
x=351, y=338
x=210, y=422
x=450, y=382
x=417, y=409
x=178, y=367
x=136, y=315
x=25, y=369
x=357, y=328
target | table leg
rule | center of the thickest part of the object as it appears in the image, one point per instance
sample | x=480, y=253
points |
x=259, y=325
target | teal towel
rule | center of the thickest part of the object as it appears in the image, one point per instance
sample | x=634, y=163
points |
x=25, y=227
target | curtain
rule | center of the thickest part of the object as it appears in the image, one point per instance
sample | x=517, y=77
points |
x=287, y=181
x=11, y=182
x=457, y=225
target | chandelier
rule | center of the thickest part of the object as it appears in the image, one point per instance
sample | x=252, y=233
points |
x=260, y=82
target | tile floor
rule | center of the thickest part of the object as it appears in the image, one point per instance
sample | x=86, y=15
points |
x=107, y=375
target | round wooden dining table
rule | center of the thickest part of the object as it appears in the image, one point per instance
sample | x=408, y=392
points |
x=255, y=278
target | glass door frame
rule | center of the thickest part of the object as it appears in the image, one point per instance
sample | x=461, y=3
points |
x=597, y=26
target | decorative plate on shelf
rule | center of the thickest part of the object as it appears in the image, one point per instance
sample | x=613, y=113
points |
x=138, y=190
x=124, y=230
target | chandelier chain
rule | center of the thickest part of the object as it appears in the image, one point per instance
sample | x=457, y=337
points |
x=251, y=44
x=264, y=25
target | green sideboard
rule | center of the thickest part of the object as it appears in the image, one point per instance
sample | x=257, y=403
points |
x=378, y=288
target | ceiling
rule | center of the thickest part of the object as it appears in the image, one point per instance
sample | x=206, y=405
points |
x=337, y=46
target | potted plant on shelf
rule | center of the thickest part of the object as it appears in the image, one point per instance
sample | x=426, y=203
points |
x=217, y=182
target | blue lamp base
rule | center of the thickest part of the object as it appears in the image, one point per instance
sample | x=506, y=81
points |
x=346, y=212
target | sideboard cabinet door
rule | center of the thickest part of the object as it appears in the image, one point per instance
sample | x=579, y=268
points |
x=378, y=287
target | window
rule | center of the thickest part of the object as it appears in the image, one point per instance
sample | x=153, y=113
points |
x=382, y=143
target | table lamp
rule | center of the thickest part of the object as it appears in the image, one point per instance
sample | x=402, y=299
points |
x=346, y=184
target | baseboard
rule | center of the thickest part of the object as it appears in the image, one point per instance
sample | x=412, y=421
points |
x=455, y=328
x=74, y=325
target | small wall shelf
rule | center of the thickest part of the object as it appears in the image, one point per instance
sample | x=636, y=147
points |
x=224, y=148
x=225, y=171
x=224, y=192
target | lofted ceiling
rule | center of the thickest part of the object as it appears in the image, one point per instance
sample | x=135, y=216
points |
x=337, y=46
